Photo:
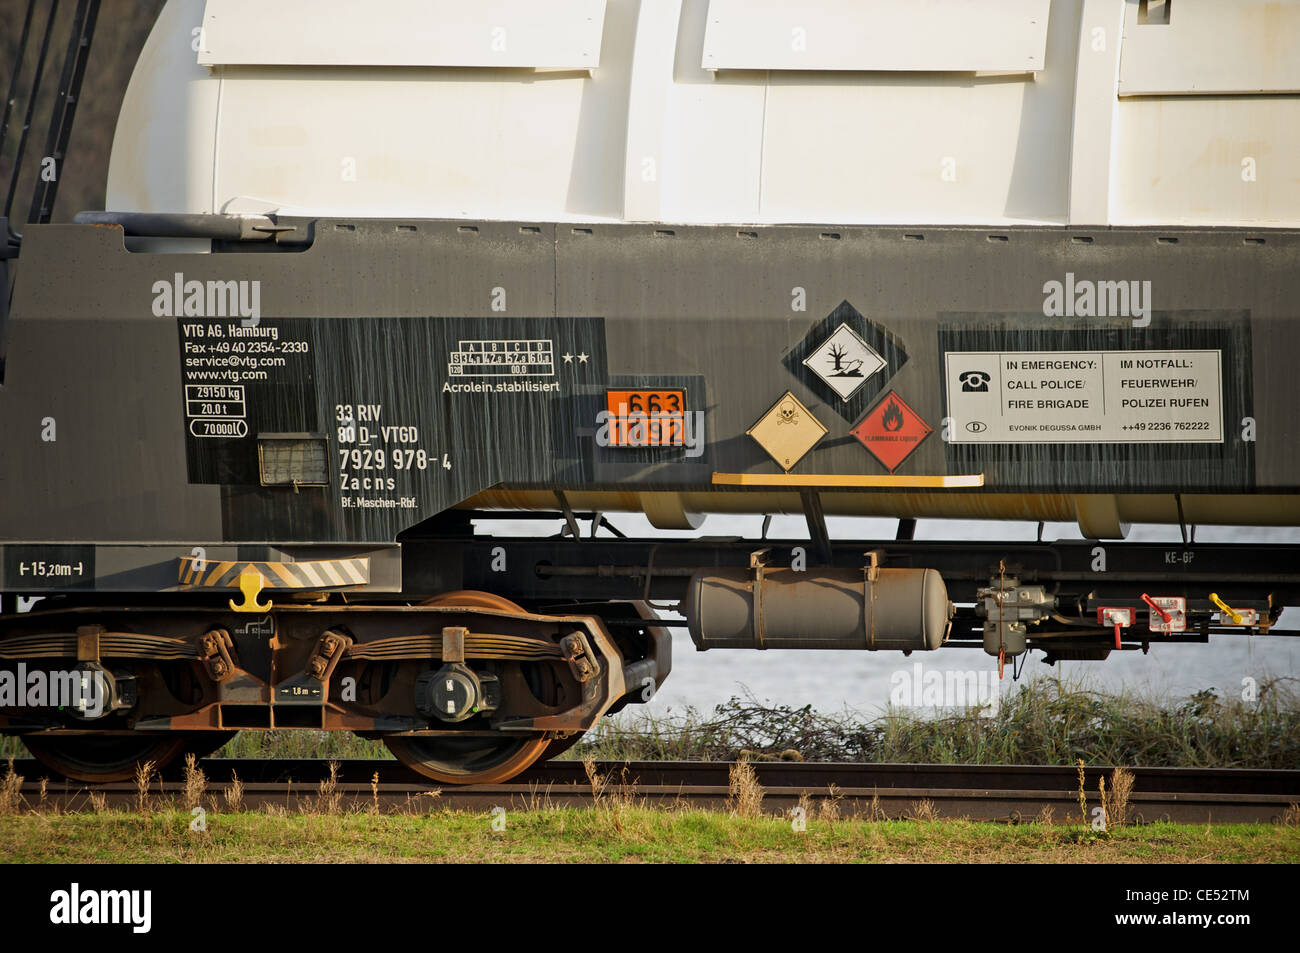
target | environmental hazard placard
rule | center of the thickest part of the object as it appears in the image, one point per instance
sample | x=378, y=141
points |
x=1085, y=396
x=844, y=361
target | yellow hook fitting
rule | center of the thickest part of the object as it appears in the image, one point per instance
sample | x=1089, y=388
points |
x=250, y=584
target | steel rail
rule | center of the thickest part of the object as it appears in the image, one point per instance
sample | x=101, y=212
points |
x=981, y=792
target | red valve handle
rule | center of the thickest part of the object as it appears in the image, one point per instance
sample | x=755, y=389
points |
x=1155, y=608
x=1117, y=645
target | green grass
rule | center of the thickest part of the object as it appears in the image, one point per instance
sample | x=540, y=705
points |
x=1043, y=721
x=301, y=743
x=621, y=833
x=277, y=743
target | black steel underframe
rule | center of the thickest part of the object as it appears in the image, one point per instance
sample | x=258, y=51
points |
x=658, y=569
x=564, y=569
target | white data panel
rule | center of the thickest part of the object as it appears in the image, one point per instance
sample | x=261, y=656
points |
x=1209, y=47
x=926, y=35
x=540, y=34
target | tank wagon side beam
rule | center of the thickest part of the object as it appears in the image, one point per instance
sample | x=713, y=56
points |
x=35, y=568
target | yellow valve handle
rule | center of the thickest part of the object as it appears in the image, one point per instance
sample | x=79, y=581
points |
x=1227, y=610
x=250, y=584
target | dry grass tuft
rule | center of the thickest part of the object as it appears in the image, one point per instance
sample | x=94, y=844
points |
x=1083, y=796
x=234, y=794
x=10, y=790
x=876, y=813
x=746, y=794
x=195, y=783
x=1291, y=816
x=594, y=778
x=923, y=810
x=539, y=797
x=98, y=802
x=1115, y=805
x=613, y=808
x=143, y=775
x=1046, y=817
x=829, y=809
x=329, y=799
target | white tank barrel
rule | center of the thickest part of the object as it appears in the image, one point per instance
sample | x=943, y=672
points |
x=1015, y=112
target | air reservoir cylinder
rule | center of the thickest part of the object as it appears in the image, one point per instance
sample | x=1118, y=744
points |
x=829, y=609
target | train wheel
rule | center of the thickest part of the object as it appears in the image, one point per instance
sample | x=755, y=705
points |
x=102, y=759
x=475, y=759
x=474, y=599
x=472, y=760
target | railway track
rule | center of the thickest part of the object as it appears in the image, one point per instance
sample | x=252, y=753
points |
x=984, y=792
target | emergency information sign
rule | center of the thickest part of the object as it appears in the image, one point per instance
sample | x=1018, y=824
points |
x=1085, y=396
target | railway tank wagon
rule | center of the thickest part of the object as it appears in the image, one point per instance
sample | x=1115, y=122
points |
x=368, y=279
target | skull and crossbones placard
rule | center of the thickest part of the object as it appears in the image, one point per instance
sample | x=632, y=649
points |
x=787, y=431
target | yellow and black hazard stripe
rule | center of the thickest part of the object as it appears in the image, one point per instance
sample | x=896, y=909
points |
x=316, y=574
